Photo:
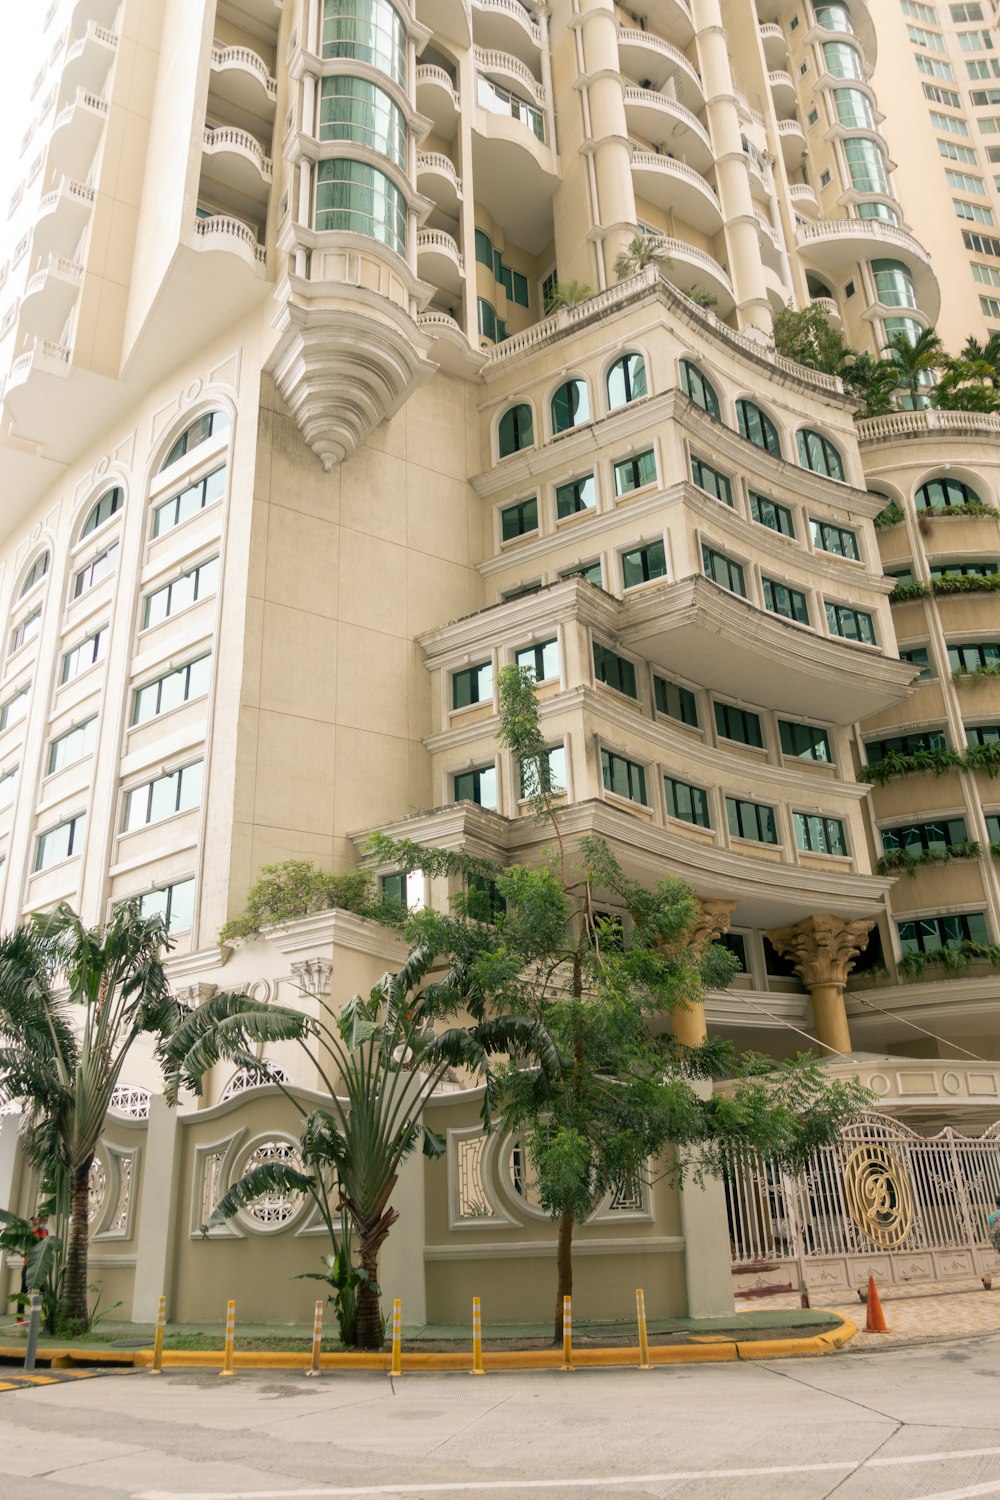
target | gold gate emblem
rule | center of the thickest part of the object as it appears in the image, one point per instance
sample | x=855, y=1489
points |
x=878, y=1196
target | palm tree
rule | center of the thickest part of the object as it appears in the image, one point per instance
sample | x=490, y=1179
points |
x=915, y=359
x=380, y=1060
x=873, y=381
x=73, y=1000
x=976, y=353
x=567, y=294
x=641, y=251
x=967, y=385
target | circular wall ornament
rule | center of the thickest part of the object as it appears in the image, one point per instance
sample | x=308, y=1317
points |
x=879, y=1084
x=193, y=391
x=951, y=1083
x=102, y=467
x=878, y=1196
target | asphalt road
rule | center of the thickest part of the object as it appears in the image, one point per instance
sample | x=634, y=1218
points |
x=914, y=1424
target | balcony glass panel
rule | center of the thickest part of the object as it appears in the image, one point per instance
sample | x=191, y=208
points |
x=370, y=30
x=352, y=109
x=351, y=195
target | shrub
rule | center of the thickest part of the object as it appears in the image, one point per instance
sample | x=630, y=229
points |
x=297, y=888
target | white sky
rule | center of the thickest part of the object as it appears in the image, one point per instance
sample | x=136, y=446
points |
x=20, y=59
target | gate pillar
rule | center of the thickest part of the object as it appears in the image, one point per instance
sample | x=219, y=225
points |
x=713, y=920
x=823, y=949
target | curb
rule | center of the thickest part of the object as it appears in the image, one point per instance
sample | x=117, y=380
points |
x=725, y=1351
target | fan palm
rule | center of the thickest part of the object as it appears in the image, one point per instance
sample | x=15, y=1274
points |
x=641, y=251
x=380, y=1060
x=873, y=381
x=915, y=361
x=567, y=294
x=73, y=1000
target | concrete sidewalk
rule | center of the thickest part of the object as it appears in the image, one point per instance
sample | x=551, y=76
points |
x=916, y=1314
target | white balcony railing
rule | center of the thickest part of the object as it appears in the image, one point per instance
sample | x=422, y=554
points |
x=225, y=227
x=907, y=424
x=229, y=138
x=489, y=60
x=437, y=239
x=226, y=57
x=514, y=9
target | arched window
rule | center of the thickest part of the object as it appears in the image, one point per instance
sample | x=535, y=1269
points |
x=945, y=493
x=515, y=431
x=35, y=574
x=817, y=453
x=102, y=510
x=626, y=380
x=570, y=405
x=756, y=426
x=197, y=432
x=700, y=389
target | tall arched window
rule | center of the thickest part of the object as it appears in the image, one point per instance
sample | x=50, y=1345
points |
x=103, y=509
x=700, y=389
x=817, y=453
x=515, y=431
x=945, y=493
x=35, y=574
x=626, y=380
x=198, y=431
x=570, y=405
x=756, y=426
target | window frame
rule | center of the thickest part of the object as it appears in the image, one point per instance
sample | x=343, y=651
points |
x=804, y=437
x=511, y=410
x=736, y=805
x=610, y=758
x=749, y=414
x=707, y=397
x=628, y=379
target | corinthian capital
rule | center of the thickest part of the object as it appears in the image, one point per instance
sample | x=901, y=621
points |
x=714, y=918
x=823, y=948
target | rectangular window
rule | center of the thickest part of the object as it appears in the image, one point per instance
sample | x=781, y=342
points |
x=738, y=724
x=990, y=306
x=197, y=584
x=73, y=745
x=977, y=213
x=520, y=288
x=919, y=12
x=989, y=124
x=985, y=67
x=983, y=734
x=970, y=656
x=688, y=803
x=951, y=123
x=555, y=764
x=781, y=600
x=955, y=152
x=484, y=249
x=966, y=12
x=675, y=701
x=925, y=838
x=993, y=827
x=592, y=572
x=942, y=96
x=578, y=495
x=819, y=835
x=189, y=502
x=988, y=275
x=965, y=183
x=932, y=40
x=751, y=820
x=623, y=777
x=173, y=903
x=478, y=786
x=85, y=655
x=643, y=564
x=982, y=97
x=14, y=709
x=851, y=624
x=933, y=68
x=177, y=791
x=8, y=786
x=931, y=934
x=543, y=660
x=472, y=685
x=724, y=571
x=837, y=539
x=804, y=741
x=614, y=670
x=905, y=744
x=711, y=481
x=633, y=473
x=95, y=570
x=518, y=520
x=769, y=513
x=393, y=887
x=975, y=41
x=919, y=657
x=26, y=630
x=60, y=843
x=170, y=691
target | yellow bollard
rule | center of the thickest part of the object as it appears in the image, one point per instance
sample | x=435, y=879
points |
x=161, y=1325
x=227, y=1362
x=567, y=1363
x=477, y=1339
x=317, y=1338
x=640, y=1312
x=396, y=1368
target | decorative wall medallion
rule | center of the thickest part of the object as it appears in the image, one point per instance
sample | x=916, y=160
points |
x=878, y=1196
x=951, y=1083
x=194, y=390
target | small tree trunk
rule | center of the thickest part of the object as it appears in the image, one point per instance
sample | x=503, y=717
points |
x=75, y=1286
x=368, y=1328
x=564, y=1270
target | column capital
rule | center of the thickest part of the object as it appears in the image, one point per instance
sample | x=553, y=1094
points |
x=713, y=919
x=823, y=948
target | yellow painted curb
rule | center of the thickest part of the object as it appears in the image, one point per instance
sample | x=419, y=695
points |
x=718, y=1352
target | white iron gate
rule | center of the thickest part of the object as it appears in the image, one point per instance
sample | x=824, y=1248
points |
x=882, y=1201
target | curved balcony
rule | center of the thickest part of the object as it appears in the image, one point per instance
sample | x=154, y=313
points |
x=61, y=218
x=76, y=134
x=241, y=78
x=770, y=244
x=439, y=260
x=676, y=189
x=239, y=158
x=803, y=197
x=775, y=45
x=505, y=67
x=793, y=142
x=437, y=99
x=929, y=423
x=761, y=178
x=448, y=18
x=655, y=117
x=782, y=90
x=643, y=55
x=437, y=179
x=29, y=391
x=49, y=296
x=830, y=307
x=692, y=269
x=222, y=233
x=667, y=18
x=506, y=26
x=835, y=245
x=89, y=59
x=98, y=12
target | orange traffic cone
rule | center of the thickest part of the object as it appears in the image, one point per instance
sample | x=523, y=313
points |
x=876, y=1317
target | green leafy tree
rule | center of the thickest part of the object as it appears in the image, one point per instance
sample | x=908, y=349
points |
x=967, y=385
x=297, y=888
x=916, y=362
x=73, y=1001
x=806, y=335
x=641, y=251
x=620, y=1093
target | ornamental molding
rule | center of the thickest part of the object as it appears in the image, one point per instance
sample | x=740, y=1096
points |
x=823, y=948
x=314, y=976
x=193, y=995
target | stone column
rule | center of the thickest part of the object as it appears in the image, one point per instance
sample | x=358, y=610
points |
x=708, y=1271
x=714, y=919
x=155, y=1250
x=823, y=949
x=608, y=131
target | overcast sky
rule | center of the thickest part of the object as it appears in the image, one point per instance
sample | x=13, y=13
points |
x=20, y=60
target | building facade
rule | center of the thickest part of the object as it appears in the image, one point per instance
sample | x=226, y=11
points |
x=297, y=455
